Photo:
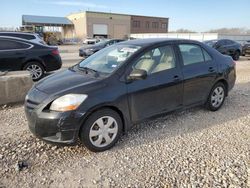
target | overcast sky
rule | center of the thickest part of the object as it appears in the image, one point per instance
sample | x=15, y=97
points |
x=197, y=15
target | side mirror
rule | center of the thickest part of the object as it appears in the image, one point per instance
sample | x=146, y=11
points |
x=137, y=74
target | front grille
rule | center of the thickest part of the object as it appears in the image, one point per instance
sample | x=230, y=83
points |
x=31, y=104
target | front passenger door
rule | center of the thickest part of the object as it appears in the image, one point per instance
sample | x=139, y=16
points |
x=162, y=90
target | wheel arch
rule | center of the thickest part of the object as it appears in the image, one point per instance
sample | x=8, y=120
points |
x=112, y=107
x=33, y=60
x=225, y=83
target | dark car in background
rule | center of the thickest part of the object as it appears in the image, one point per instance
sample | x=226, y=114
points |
x=104, y=95
x=88, y=50
x=246, y=48
x=226, y=47
x=18, y=54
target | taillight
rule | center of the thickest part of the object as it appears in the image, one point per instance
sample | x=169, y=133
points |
x=55, y=52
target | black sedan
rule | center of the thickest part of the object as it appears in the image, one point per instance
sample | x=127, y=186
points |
x=91, y=49
x=19, y=54
x=104, y=95
x=246, y=48
x=227, y=47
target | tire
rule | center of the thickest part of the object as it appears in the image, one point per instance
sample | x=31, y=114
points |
x=36, y=70
x=97, y=126
x=216, y=97
x=236, y=56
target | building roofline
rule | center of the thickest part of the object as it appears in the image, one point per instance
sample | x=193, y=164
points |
x=97, y=12
x=45, y=17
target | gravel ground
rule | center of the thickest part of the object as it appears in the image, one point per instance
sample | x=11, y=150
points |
x=193, y=148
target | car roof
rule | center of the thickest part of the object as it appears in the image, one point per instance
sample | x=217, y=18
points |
x=20, y=33
x=14, y=38
x=21, y=40
x=152, y=41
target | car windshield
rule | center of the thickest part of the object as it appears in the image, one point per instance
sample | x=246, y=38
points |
x=102, y=43
x=109, y=59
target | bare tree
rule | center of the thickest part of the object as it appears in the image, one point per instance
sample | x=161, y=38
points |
x=183, y=31
x=236, y=31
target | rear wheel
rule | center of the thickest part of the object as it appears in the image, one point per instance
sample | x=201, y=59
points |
x=216, y=97
x=101, y=130
x=236, y=56
x=36, y=70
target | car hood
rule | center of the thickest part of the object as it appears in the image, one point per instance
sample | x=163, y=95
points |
x=67, y=81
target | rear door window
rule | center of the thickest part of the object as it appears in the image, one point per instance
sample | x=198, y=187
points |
x=27, y=37
x=12, y=45
x=229, y=42
x=191, y=54
x=222, y=42
x=207, y=57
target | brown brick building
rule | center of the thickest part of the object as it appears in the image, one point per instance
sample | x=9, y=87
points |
x=146, y=24
x=113, y=25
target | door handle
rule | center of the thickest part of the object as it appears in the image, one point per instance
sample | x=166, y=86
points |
x=176, y=78
x=211, y=69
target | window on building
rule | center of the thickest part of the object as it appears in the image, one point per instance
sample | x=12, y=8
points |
x=155, y=25
x=136, y=23
x=164, y=25
x=147, y=25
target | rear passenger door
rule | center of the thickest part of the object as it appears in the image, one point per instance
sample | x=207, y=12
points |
x=162, y=90
x=12, y=54
x=199, y=73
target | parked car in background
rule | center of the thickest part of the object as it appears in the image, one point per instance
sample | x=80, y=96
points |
x=105, y=94
x=88, y=50
x=246, y=48
x=91, y=41
x=34, y=37
x=226, y=47
x=19, y=54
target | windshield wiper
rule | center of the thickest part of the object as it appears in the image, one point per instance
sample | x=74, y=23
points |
x=87, y=70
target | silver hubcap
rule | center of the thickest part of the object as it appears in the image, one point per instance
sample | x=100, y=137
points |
x=103, y=131
x=35, y=71
x=217, y=96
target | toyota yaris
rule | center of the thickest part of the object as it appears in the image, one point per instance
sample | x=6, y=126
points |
x=104, y=95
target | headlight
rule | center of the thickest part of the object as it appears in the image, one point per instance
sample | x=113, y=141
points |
x=68, y=102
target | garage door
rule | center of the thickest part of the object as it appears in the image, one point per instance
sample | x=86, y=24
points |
x=100, y=29
x=120, y=31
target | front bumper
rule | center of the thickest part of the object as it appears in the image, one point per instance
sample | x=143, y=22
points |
x=53, y=127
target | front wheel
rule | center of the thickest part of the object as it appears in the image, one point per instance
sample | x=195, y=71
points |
x=216, y=97
x=101, y=130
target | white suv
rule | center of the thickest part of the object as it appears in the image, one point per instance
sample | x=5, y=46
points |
x=34, y=37
x=91, y=41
